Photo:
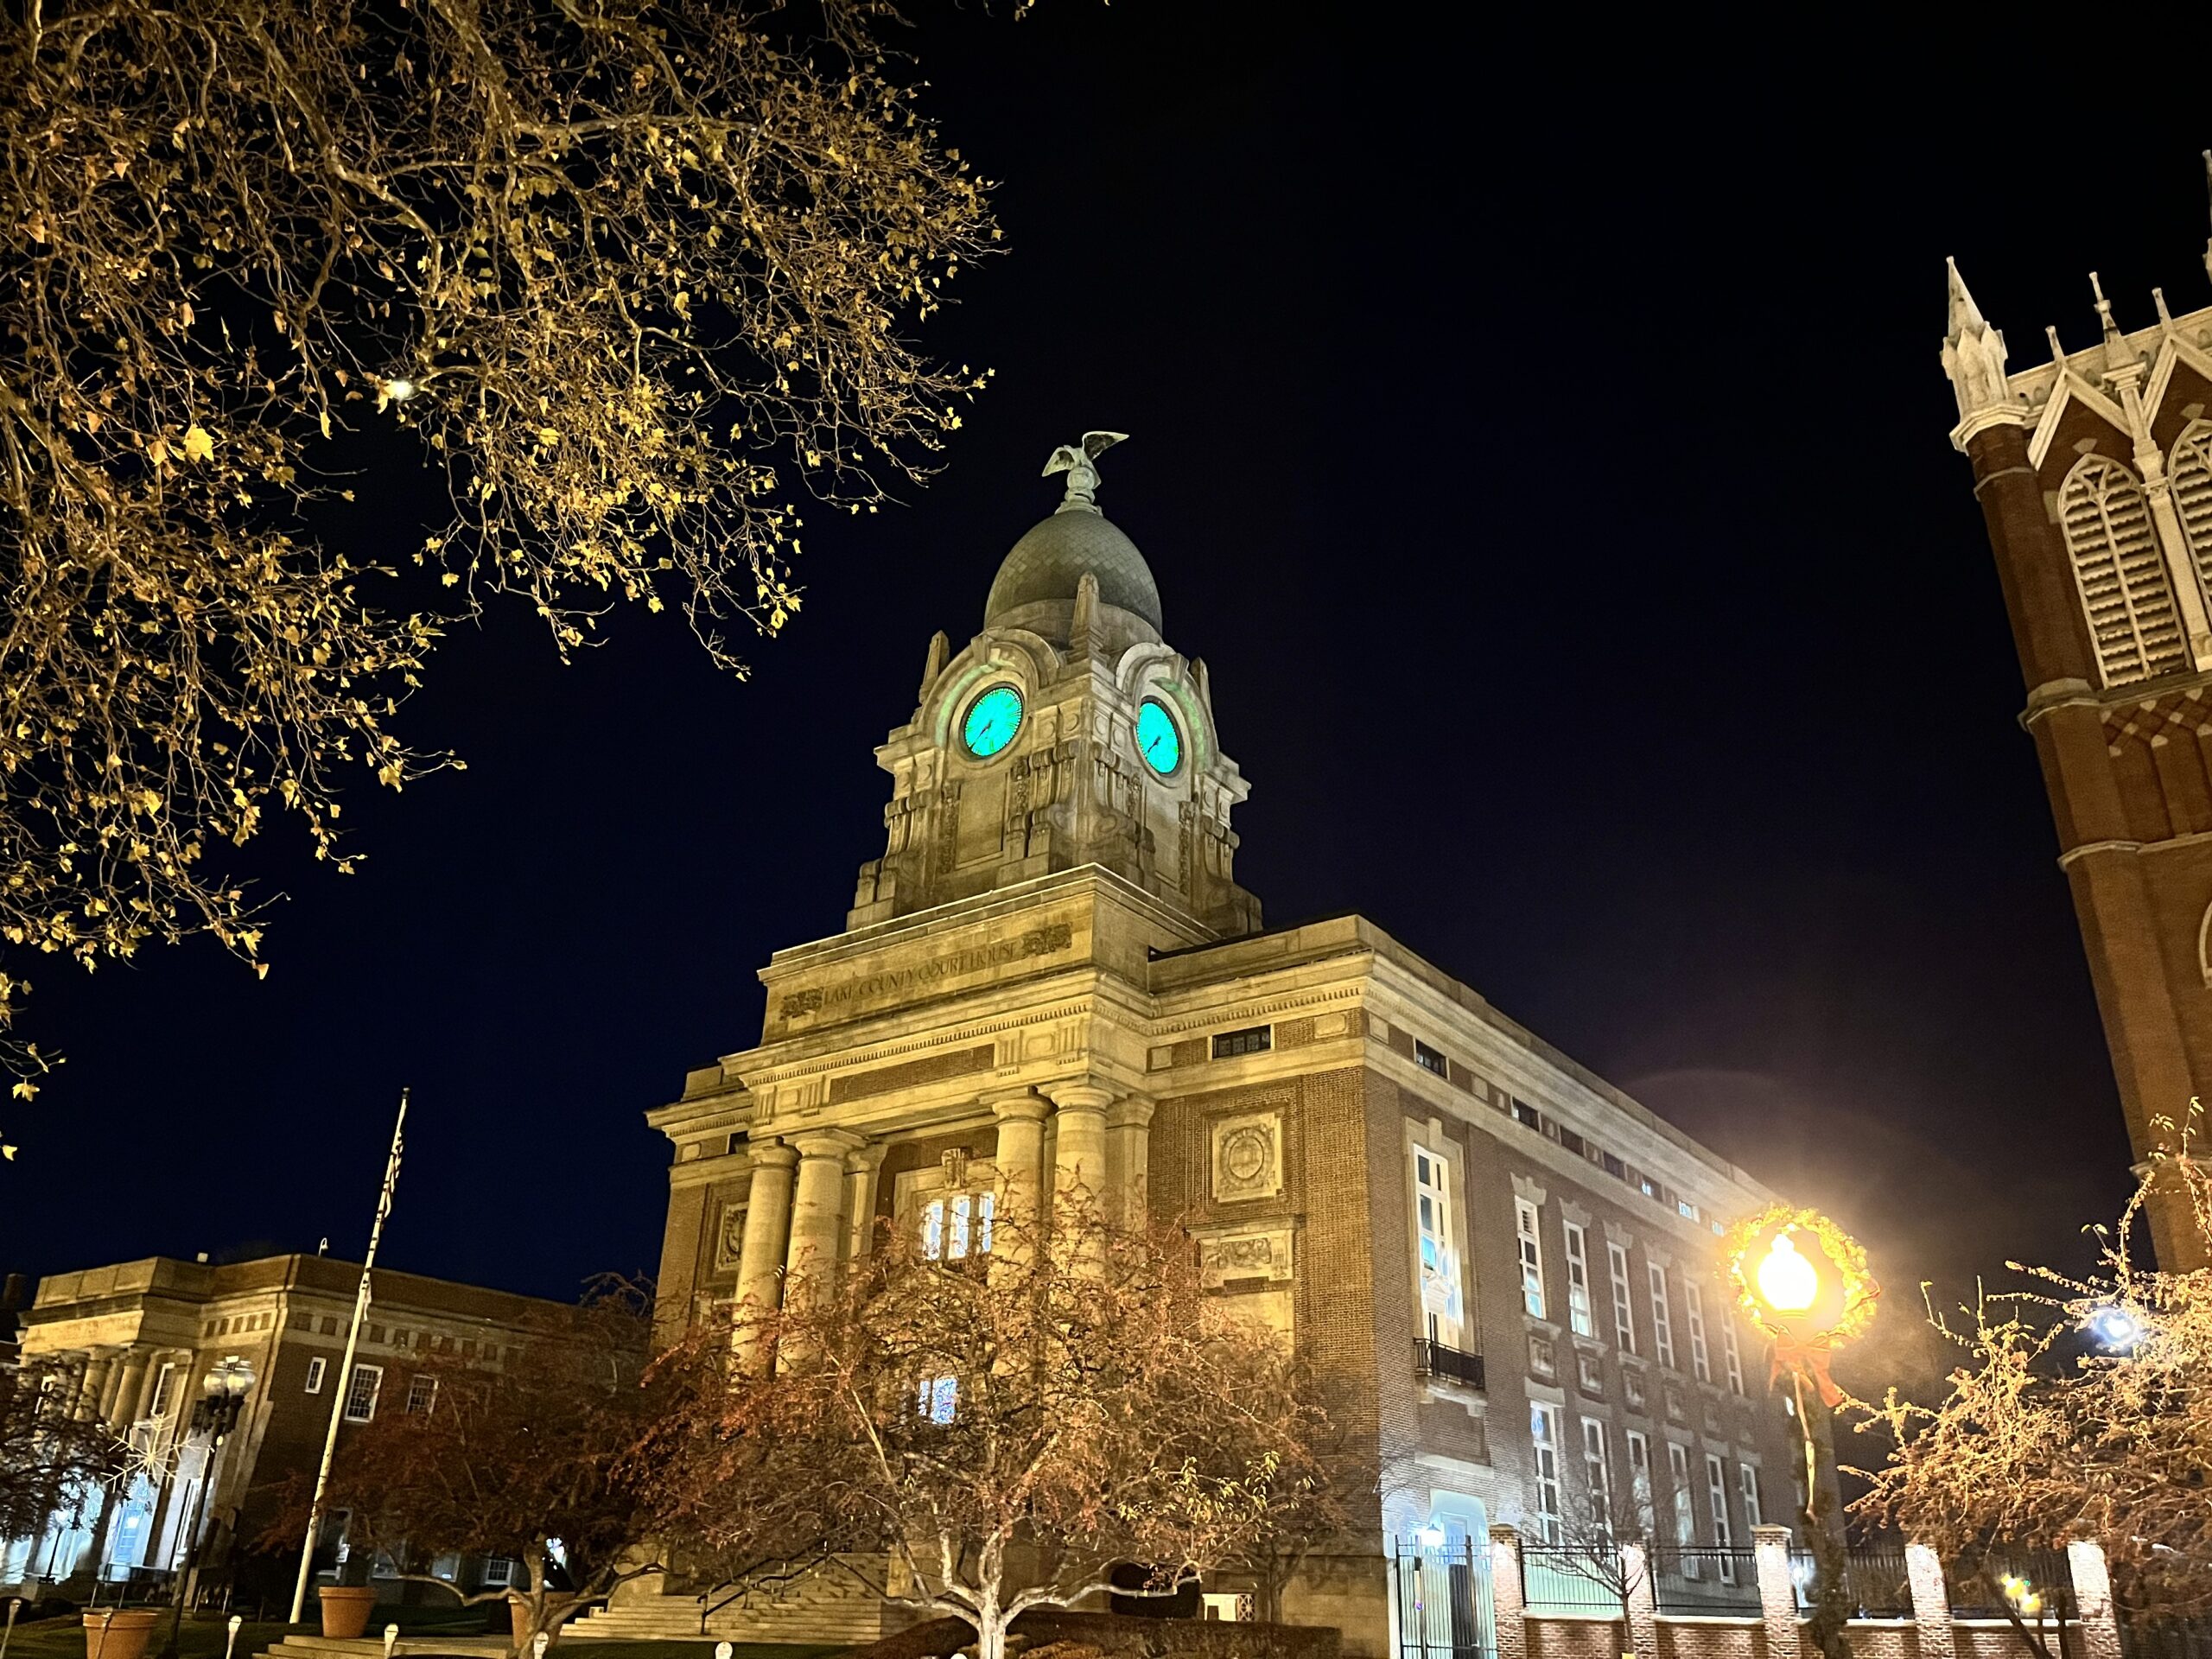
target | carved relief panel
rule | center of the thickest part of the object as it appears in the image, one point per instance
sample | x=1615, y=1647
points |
x=1246, y=1157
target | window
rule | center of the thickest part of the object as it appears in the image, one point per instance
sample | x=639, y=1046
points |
x=1716, y=1488
x=1580, y=1317
x=1686, y=1210
x=1747, y=1487
x=361, y=1392
x=2118, y=573
x=1525, y=1114
x=1597, y=1475
x=1646, y=1186
x=1439, y=1265
x=1729, y=1355
x=1589, y=1372
x=736, y=1142
x=2190, y=469
x=1532, y=1258
x=1694, y=1301
x=937, y=1397
x=959, y=1226
x=164, y=1391
x=329, y=1324
x=1623, y=1318
x=499, y=1572
x=1614, y=1167
x=1253, y=1040
x=1639, y=1482
x=1632, y=1386
x=1678, y=1479
x=1429, y=1060
x=1543, y=1433
x=375, y=1333
x=1663, y=1329
x=316, y=1366
x=1573, y=1142
x=399, y=1339
x=422, y=1395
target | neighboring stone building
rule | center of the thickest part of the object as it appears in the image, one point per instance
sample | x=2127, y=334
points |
x=141, y=1336
x=1500, y=1266
x=2095, y=475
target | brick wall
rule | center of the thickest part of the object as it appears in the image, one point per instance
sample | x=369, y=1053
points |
x=1574, y=1638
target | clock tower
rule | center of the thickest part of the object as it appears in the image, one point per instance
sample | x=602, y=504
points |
x=1066, y=732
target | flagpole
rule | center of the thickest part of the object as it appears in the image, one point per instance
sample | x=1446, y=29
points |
x=346, y=1365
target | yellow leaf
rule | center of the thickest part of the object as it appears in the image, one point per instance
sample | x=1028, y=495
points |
x=197, y=445
x=25, y=1089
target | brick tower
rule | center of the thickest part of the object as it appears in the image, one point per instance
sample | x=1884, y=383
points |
x=2095, y=475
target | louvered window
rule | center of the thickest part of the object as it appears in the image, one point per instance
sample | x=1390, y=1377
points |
x=2122, y=579
x=2190, y=470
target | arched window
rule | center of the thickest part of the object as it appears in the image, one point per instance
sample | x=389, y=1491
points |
x=2190, y=469
x=2118, y=571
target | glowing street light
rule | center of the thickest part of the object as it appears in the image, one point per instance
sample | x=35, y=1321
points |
x=399, y=391
x=2115, y=1330
x=1788, y=1282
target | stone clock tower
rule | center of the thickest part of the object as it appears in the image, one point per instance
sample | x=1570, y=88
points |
x=2095, y=475
x=1066, y=732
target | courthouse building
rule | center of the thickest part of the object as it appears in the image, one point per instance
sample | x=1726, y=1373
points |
x=1499, y=1265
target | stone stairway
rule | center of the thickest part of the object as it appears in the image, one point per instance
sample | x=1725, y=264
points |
x=825, y=1606
x=371, y=1647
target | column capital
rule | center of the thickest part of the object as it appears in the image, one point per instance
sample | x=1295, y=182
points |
x=1080, y=1097
x=776, y=1154
x=867, y=1157
x=1020, y=1105
x=1131, y=1112
x=824, y=1143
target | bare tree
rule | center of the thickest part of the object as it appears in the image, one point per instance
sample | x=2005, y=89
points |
x=50, y=1456
x=997, y=1432
x=630, y=274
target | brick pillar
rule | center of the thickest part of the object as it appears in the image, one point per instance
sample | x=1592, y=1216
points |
x=2085, y=1562
x=1777, y=1592
x=1508, y=1609
x=1931, y=1602
x=1643, y=1605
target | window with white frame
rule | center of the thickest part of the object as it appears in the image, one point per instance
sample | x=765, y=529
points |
x=1598, y=1474
x=1693, y=1303
x=1532, y=1257
x=1639, y=1481
x=1731, y=1355
x=1543, y=1435
x=1624, y=1316
x=1716, y=1490
x=937, y=1397
x=361, y=1392
x=164, y=1390
x=316, y=1368
x=1441, y=1307
x=1663, y=1327
x=499, y=1572
x=1580, y=1316
x=1678, y=1479
x=1747, y=1488
x=958, y=1225
x=421, y=1394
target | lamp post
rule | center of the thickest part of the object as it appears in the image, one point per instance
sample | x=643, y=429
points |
x=222, y=1397
x=1805, y=1285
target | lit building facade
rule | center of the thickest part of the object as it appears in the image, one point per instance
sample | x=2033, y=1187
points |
x=1499, y=1268
x=2095, y=475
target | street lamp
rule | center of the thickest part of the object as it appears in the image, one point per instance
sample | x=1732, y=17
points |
x=215, y=1414
x=2116, y=1329
x=1805, y=1285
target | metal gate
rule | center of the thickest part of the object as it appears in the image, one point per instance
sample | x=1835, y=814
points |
x=1444, y=1600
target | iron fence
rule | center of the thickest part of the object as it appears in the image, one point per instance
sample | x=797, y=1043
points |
x=1453, y=1365
x=1714, y=1579
x=2037, y=1584
x=1572, y=1579
x=1444, y=1600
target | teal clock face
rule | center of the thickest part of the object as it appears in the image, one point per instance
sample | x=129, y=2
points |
x=1158, y=741
x=993, y=719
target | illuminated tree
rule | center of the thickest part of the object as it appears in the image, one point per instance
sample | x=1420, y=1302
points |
x=629, y=274
x=1000, y=1430
x=49, y=1456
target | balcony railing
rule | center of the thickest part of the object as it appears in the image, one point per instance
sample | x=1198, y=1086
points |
x=1434, y=1359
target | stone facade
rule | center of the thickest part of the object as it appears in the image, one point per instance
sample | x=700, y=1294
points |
x=1473, y=1240
x=141, y=1335
x=2094, y=476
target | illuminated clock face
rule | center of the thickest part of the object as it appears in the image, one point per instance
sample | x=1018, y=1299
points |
x=1158, y=741
x=993, y=719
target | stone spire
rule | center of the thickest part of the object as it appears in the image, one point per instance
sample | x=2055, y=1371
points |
x=1974, y=361
x=2118, y=353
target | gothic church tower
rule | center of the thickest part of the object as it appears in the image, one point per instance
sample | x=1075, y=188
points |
x=2095, y=475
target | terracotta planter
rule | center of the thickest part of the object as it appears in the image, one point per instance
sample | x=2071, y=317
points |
x=346, y=1609
x=120, y=1633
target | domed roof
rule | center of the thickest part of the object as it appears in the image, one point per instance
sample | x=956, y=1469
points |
x=1047, y=562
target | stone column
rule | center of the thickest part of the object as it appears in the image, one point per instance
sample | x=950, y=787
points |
x=861, y=1165
x=1129, y=1154
x=1931, y=1602
x=1777, y=1592
x=2085, y=1562
x=1508, y=1608
x=767, y=1214
x=126, y=1409
x=1079, y=1156
x=819, y=1206
x=91, y=1390
x=1020, y=1160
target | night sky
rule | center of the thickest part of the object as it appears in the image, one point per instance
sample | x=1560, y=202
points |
x=1547, y=457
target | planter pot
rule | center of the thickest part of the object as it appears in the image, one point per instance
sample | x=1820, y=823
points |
x=120, y=1633
x=519, y=1617
x=346, y=1609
